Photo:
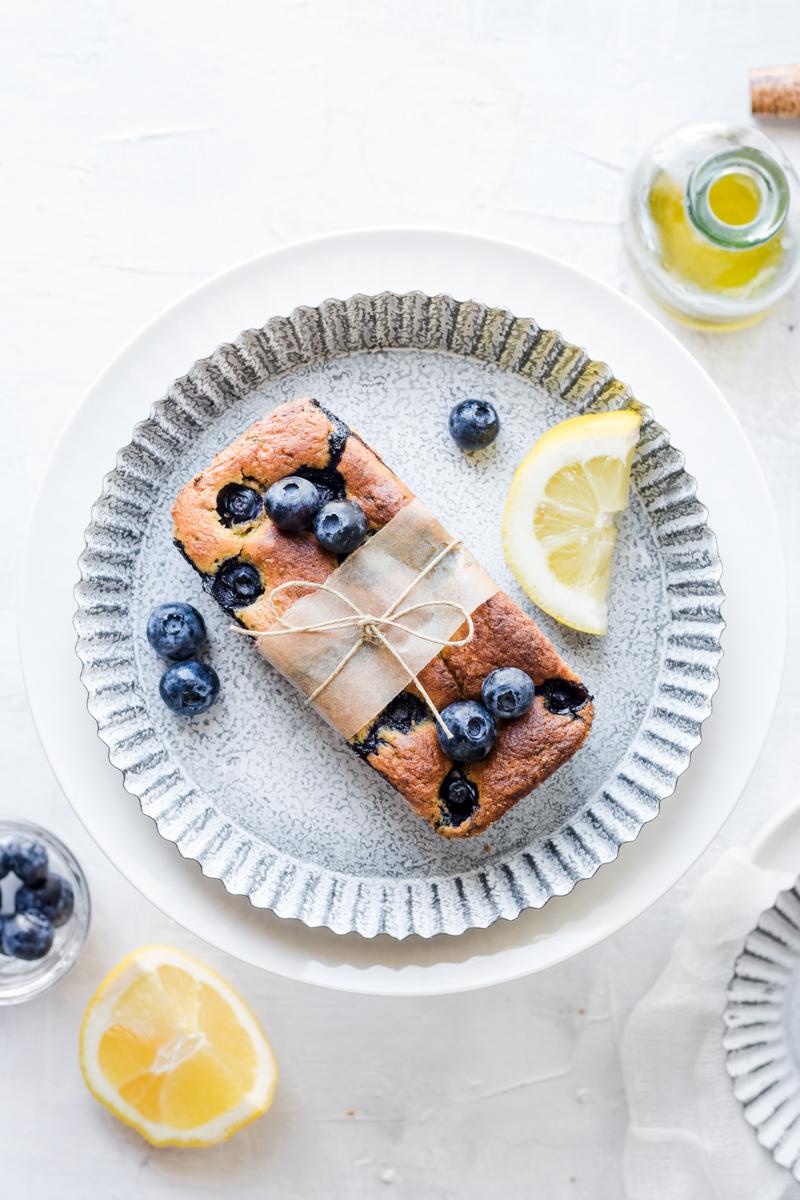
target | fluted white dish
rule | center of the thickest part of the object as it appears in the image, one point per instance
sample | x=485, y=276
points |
x=762, y=1014
x=315, y=834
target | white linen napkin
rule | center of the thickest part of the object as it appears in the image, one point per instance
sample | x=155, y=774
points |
x=687, y=1136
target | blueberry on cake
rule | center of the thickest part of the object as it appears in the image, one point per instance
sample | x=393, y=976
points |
x=290, y=499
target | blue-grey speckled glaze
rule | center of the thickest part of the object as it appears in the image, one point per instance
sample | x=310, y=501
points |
x=259, y=790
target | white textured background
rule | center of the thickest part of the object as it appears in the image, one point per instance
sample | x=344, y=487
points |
x=145, y=146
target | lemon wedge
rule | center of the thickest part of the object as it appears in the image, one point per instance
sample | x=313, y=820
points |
x=558, y=523
x=171, y=1049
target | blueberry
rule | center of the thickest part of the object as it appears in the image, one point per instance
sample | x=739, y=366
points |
x=563, y=695
x=28, y=860
x=27, y=935
x=474, y=424
x=175, y=630
x=189, y=687
x=292, y=503
x=340, y=526
x=507, y=692
x=5, y=865
x=54, y=899
x=459, y=797
x=327, y=480
x=472, y=731
x=236, y=584
x=237, y=504
x=400, y=714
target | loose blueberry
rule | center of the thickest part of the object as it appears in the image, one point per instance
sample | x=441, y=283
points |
x=459, y=797
x=27, y=935
x=189, y=687
x=237, y=504
x=563, y=695
x=236, y=584
x=507, y=692
x=28, y=860
x=292, y=503
x=472, y=731
x=54, y=899
x=5, y=865
x=340, y=526
x=176, y=630
x=474, y=424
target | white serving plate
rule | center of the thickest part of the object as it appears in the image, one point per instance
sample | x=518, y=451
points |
x=660, y=372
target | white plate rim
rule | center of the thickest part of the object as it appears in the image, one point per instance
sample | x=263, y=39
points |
x=458, y=257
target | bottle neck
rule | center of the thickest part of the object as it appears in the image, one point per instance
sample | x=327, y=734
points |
x=738, y=199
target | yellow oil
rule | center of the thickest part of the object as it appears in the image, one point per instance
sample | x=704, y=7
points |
x=734, y=198
x=687, y=254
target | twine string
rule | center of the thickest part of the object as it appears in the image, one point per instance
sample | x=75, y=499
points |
x=370, y=626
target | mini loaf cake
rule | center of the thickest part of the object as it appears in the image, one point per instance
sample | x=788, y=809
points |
x=221, y=527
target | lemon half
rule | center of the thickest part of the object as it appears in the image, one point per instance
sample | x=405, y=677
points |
x=172, y=1050
x=559, y=527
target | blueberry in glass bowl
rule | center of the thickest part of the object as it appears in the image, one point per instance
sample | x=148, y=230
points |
x=54, y=899
x=44, y=922
x=27, y=859
x=27, y=936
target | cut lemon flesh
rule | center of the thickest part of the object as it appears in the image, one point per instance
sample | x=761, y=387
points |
x=172, y=1050
x=558, y=525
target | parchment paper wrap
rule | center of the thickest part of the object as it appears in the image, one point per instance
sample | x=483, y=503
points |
x=373, y=577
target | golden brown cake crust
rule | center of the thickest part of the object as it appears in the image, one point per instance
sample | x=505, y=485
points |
x=401, y=744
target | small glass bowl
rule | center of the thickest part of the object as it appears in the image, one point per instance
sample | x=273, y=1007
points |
x=20, y=980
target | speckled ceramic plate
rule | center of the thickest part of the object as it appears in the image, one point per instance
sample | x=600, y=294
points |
x=259, y=791
x=762, y=1035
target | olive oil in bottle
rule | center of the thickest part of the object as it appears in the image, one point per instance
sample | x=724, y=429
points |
x=714, y=224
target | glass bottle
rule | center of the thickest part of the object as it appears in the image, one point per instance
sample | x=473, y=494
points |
x=714, y=223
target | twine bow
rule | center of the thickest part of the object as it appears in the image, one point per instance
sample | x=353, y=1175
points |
x=371, y=626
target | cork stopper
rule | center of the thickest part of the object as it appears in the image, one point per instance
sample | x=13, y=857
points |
x=775, y=91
